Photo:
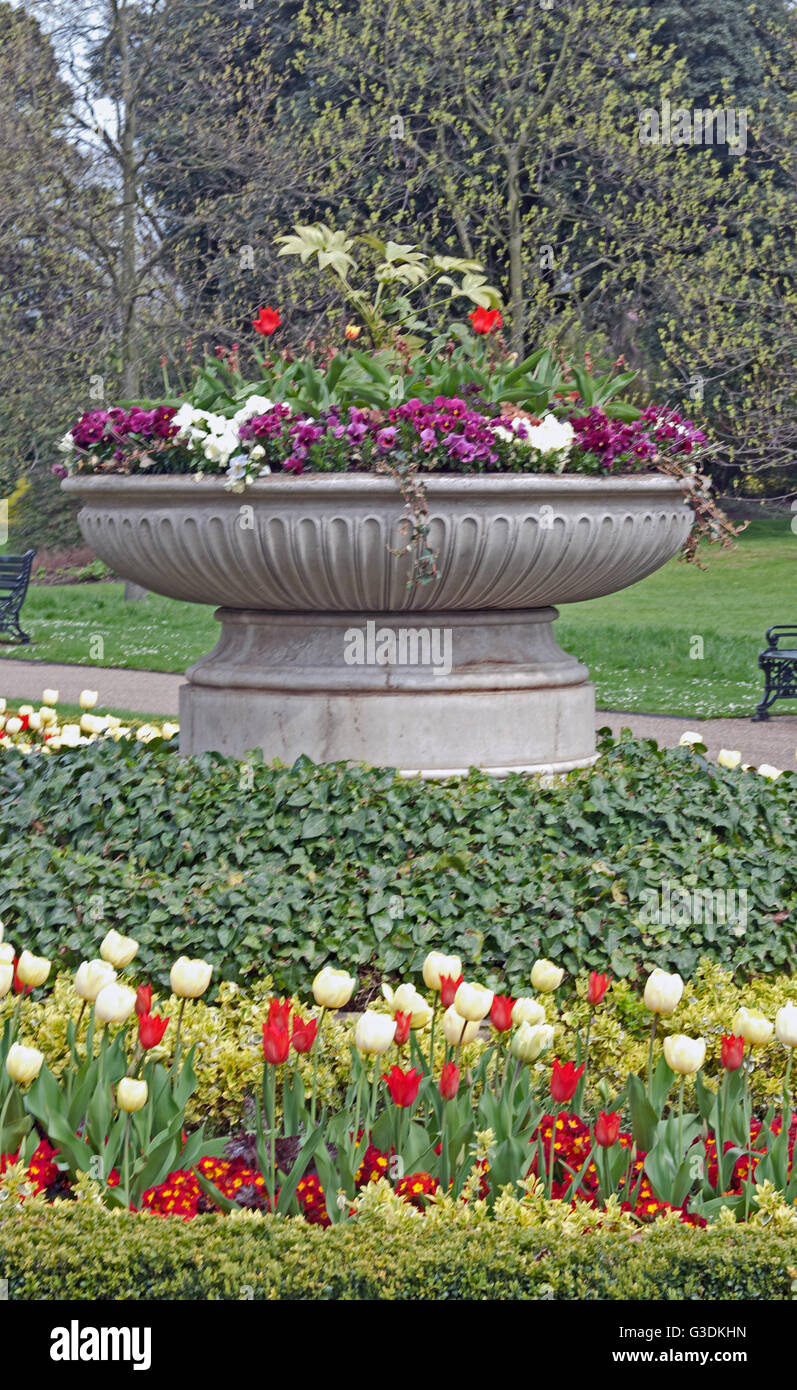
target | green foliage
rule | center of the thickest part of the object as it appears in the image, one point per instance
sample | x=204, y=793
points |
x=78, y=1251
x=262, y=869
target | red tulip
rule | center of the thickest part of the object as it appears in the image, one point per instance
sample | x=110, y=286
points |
x=276, y=1044
x=303, y=1035
x=501, y=1012
x=448, y=988
x=607, y=1129
x=564, y=1080
x=402, y=1032
x=732, y=1052
x=597, y=987
x=485, y=320
x=403, y=1086
x=143, y=1000
x=267, y=321
x=151, y=1029
x=279, y=1014
x=449, y=1080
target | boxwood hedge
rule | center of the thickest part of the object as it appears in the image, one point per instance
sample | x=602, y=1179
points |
x=80, y=1251
x=263, y=868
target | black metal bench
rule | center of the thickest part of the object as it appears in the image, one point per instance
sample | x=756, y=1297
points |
x=779, y=665
x=14, y=579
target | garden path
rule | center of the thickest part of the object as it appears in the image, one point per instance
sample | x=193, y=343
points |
x=155, y=692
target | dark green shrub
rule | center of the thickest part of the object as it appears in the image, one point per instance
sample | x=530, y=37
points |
x=281, y=869
x=79, y=1251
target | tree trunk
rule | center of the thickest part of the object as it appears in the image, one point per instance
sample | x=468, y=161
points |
x=517, y=303
x=127, y=275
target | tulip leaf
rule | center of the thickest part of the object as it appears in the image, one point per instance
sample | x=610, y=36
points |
x=663, y=1077
x=643, y=1116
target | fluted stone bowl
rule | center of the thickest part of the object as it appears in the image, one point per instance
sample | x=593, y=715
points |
x=301, y=566
x=323, y=542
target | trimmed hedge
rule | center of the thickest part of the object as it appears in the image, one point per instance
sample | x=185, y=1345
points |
x=277, y=870
x=79, y=1251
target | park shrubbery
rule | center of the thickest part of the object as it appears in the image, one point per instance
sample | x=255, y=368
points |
x=80, y=1251
x=268, y=870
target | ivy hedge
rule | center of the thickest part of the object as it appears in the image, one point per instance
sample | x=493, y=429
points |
x=268, y=869
x=81, y=1251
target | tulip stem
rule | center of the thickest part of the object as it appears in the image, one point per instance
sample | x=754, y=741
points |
x=431, y=1038
x=126, y=1165
x=653, y=1027
x=747, y=1121
x=316, y=1050
x=681, y=1121
x=17, y=1015
x=177, y=1036
x=719, y=1142
x=552, y=1156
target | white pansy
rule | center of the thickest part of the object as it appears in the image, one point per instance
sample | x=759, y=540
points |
x=256, y=405
x=552, y=436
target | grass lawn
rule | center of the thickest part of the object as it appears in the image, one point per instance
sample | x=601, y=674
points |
x=638, y=644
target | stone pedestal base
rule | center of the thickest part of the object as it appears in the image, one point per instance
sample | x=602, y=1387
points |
x=430, y=692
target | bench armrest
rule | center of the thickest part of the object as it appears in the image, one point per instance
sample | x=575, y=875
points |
x=774, y=633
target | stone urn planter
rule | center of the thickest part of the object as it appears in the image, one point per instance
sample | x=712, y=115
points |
x=328, y=647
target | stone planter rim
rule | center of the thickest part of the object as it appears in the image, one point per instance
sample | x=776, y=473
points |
x=338, y=486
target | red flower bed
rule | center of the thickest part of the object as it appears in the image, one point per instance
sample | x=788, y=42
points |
x=181, y=1194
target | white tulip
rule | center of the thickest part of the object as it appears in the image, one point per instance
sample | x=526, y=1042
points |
x=764, y=770
x=92, y=723
x=13, y=725
x=6, y=978
x=23, y=1064
x=456, y=1029
x=529, y=1041
x=436, y=964
x=374, y=1033
x=131, y=1095
x=786, y=1025
x=6, y=952
x=92, y=976
x=50, y=697
x=32, y=970
x=473, y=1002
x=728, y=758
x=332, y=988
x=190, y=978
x=526, y=1010
x=683, y=1054
x=546, y=977
x=118, y=950
x=663, y=992
x=753, y=1027
x=689, y=737
x=114, y=1004
x=407, y=1000
x=88, y=699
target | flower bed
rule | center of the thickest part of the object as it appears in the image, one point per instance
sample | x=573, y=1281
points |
x=474, y=1121
x=272, y=871
x=43, y=730
x=451, y=399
